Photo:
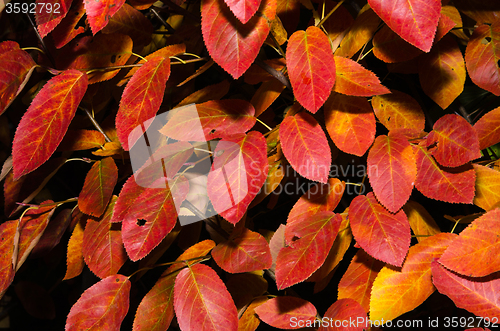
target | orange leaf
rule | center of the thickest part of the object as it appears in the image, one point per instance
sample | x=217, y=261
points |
x=476, y=251
x=102, y=306
x=397, y=291
x=442, y=72
x=360, y=33
x=357, y=281
x=476, y=295
x=118, y=50
x=249, y=321
x=398, y=110
x=421, y=222
x=141, y=100
x=482, y=55
x=100, y=11
x=79, y=140
x=202, y=302
x=209, y=93
x=305, y=146
x=248, y=251
x=98, y=187
x=488, y=129
x=350, y=123
x=342, y=311
x=487, y=187
x=286, y=312
x=266, y=94
x=56, y=104
x=297, y=261
x=456, y=141
x=392, y=170
x=354, y=79
x=449, y=185
x=479, y=10
x=310, y=64
x=74, y=257
x=231, y=186
x=382, y=234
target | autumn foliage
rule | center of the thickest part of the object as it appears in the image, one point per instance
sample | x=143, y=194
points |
x=358, y=141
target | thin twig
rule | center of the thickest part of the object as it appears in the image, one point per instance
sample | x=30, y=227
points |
x=167, y=26
x=49, y=56
x=96, y=125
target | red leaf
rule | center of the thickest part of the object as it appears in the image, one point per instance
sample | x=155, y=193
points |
x=397, y=291
x=102, y=245
x=321, y=197
x=232, y=44
x=354, y=79
x=457, y=142
x=357, y=281
x=248, y=251
x=392, y=170
x=398, y=110
x=488, y=129
x=14, y=72
x=476, y=295
x=8, y=232
x=296, y=262
x=243, y=9
x=118, y=50
x=98, y=187
x=141, y=99
x=442, y=72
x=383, y=235
x=156, y=310
x=217, y=118
x=56, y=104
x=310, y=64
x=46, y=19
x=305, y=146
x=413, y=20
x=31, y=228
x=100, y=11
x=232, y=186
x=131, y=22
x=282, y=312
x=350, y=122
x=487, y=187
x=102, y=306
x=152, y=215
x=344, y=310
x=481, y=57
x=449, y=185
x=476, y=251
x=202, y=302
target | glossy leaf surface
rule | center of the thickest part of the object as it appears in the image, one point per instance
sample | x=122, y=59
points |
x=102, y=306
x=382, y=234
x=392, y=170
x=310, y=64
x=305, y=146
x=414, y=20
x=202, y=302
x=243, y=9
x=35, y=140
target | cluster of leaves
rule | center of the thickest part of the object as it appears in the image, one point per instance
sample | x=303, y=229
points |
x=283, y=83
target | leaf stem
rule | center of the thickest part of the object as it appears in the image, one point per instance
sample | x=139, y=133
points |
x=267, y=126
x=329, y=14
x=200, y=258
x=33, y=48
x=190, y=61
x=96, y=125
